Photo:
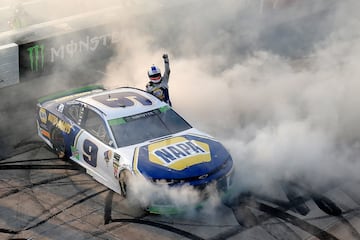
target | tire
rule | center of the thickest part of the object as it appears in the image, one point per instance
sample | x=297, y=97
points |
x=57, y=139
x=123, y=182
x=296, y=201
x=327, y=206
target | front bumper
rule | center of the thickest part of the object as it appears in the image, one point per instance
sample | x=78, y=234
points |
x=167, y=207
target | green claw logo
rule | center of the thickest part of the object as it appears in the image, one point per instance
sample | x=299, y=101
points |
x=36, y=55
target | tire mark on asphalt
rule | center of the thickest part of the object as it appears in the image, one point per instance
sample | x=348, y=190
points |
x=27, y=177
x=8, y=231
x=79, y=191
x=354, y=195
x=312, y=229
x=19, y=151
x=62, y=210
x=329, y=207
x=250, y=202
x=108, y=219
x=39, y=167
x=159, y=225
x=229, y=233
x=108, y=207
x=31, y=185
x=354, y=233
x=286, y=231
x=30, y=160
x=108, y=198
x=95, y=232
x=26, y=142
x=75, y=185
x=247, y=219
x=13, y=232
x=67, y=222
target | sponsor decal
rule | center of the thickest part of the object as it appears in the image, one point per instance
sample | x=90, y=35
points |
x=116, y=164
x=45, y=133
x=36, y=56
x=179, y=153
x=60, y=124
x=75, y=152
x=159, y=93
x=87, y=44
x=77, y=46
x=43, y=115
x=116, y=168
x=107, y=156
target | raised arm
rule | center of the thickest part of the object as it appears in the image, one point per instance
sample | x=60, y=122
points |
x=167, y=68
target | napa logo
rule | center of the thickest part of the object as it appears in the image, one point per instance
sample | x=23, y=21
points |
x=179, y=153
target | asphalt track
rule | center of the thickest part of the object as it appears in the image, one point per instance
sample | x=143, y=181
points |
x=43, y=197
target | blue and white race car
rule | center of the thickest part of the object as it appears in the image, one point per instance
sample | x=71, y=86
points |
x=115, y=134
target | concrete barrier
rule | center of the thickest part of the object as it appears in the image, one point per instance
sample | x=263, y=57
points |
x=9, y=65
x=61, y=44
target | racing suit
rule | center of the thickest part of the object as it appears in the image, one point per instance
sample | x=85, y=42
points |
x=161, y=89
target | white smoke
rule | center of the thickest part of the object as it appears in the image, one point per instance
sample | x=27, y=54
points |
x=275, y=81
x=278, y=85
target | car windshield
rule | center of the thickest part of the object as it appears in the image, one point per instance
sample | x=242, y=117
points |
x=146, y=126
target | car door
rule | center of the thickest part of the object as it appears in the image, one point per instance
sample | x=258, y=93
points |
x=95, y=148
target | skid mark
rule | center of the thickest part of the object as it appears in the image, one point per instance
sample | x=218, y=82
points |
x=31, y=185
x=62, y=210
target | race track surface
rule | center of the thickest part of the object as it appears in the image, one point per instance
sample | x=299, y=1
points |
x=43, y=197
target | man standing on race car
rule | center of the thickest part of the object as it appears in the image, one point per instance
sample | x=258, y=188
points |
x=158, y=85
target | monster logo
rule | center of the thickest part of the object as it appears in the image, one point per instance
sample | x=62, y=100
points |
x=36, y=56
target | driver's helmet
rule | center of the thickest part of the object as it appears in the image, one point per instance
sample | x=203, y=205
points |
x=154, y=74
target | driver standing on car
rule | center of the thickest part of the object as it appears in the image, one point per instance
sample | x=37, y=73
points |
x=158, y=85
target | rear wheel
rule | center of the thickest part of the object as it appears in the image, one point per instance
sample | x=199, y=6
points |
x=57, y=139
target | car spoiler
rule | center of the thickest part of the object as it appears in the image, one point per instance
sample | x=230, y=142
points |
x=76, y=91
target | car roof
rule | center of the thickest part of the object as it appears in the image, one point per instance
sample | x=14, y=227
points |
x=122, y=102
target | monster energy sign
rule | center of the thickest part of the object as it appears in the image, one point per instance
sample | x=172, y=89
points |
x=36, y=57
x=65, y=51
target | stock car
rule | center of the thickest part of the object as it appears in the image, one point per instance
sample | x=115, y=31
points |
x=115, y=134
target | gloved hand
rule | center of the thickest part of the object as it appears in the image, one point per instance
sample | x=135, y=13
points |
x=165, y=56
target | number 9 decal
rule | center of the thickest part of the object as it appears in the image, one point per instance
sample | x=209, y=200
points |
x=90, y=151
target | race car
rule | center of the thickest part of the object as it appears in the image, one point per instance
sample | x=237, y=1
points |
x=124, y=132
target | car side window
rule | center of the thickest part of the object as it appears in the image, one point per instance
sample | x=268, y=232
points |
x=95, y=125
x=74, y=112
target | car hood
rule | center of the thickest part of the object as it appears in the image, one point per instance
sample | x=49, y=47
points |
x=180, y=157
